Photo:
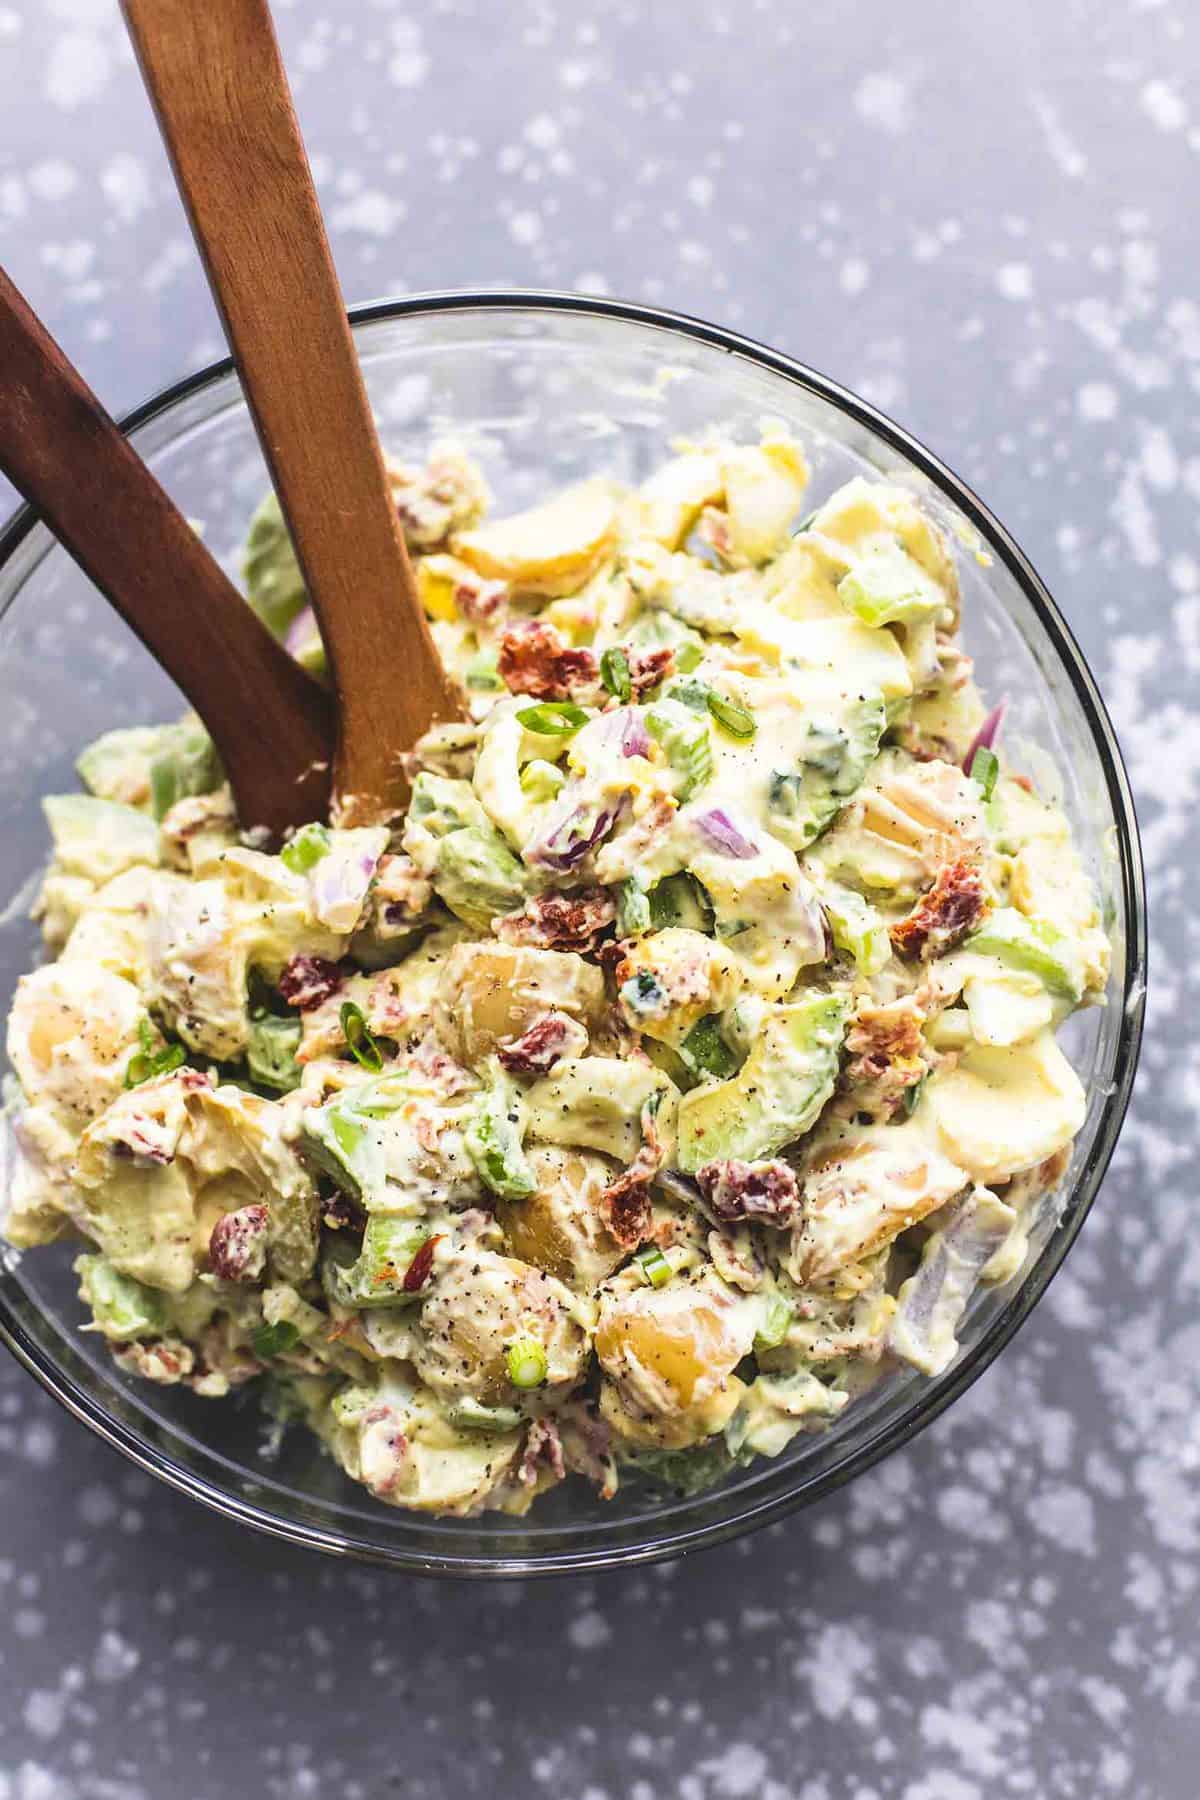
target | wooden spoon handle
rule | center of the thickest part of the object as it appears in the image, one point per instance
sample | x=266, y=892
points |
x=270, y=721
x=217, y=81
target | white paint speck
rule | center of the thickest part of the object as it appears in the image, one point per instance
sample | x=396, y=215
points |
x=855, y=275
x=1162, y=104
x=1097, y=401
x=78, y=70
x=589, y=1631
x=1015, y=281
x=882, y=99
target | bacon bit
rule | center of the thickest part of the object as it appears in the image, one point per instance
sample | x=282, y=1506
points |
x=417, y=1273
x=571, y=921
x=542, y=1445
x=309, y=981
x=479, y=600
x=166, y=1361
x=886, y=1047
x=765, y=1193
x=428, y=1132
x=547, y=1041
x=383, y=1451
x=611, y=955
x=427, y=1058
x=942, y=918
x=625, y=1208
x=237, y=1249
x=534, y=659
x=647, y=668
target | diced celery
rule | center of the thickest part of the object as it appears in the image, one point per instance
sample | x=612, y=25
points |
x=123, y=1309
x=857, y=928
x=1032, y=945
x=493, y=1141
x=888, y=587
x=471, y=1415
x=687, y=744
x=633, y=909
x=541, y=780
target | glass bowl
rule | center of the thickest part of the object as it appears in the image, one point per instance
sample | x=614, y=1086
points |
x=545, y=388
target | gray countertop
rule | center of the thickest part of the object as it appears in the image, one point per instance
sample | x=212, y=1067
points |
x=983, y=217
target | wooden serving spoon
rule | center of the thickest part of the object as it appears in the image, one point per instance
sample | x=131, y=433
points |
x=216, y=78
x=271, y=722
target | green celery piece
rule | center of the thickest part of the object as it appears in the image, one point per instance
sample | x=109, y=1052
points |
x=541, y=780
x=633, y=909
x=687, y=745
x=338, y=1138
x=857, y=928
x=887, y=587
x=388, y=1248
x=123, y=1308
x=1031, y=945
x=469, y=1415
x=271, y=1052
x=493, y=1141
x=686, y=1471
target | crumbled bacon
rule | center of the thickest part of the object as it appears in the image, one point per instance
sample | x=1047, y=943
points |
x=570, y=921
x=765, y=1193
x=383, y=1450
x=547, y=1041
x=886, y=1053
x=535, y=660
x=954, y=905
x=647, y=668
x=625, y=1208
x=542, y=1446
x=612, y=954
x=309, y=981
x=417, y=1273
x=166, y=1361
x=478, y=599
x=237, y=1249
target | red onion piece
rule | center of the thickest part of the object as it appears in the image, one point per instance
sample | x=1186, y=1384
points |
x=722, y=835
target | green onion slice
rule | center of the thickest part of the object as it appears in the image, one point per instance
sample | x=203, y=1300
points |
x=362, y=1045
x=653, y=1265
x=985, y=767
x=303, y=851
x=273, y=1340
x=553, y=718
x=737, y=720
x=525, y=1360
x=614, y=673
x=148, y=1062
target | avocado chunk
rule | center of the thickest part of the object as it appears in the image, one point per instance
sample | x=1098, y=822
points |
x=271, y=1047
x=455, y=845
x=777, y=1094
x=99, y=838
x=123, y=1309
x=834, y=756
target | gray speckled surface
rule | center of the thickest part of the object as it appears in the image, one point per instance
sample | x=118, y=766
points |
x=983, y=218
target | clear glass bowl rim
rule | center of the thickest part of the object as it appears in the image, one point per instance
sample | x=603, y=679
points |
x=782, y=1498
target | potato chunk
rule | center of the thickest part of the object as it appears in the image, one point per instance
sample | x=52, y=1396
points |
x=559, y=1228
x=489, y=994
x=481, y=1303
x=670, y=1351
x=552, y=549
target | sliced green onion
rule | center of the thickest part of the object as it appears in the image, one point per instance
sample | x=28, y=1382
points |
x=273, y=1340
x=985, y=767
x=361, y=1044
x=912, y=1096
x=653, y=1265
x=689, y=654
x=704, y=1049
x=614, y=673
x=303, y=851
x=148, y=1062
x=553, y=718
x=735, y=719
x=525, y=1360
x=775, y=1323
x=482, y=672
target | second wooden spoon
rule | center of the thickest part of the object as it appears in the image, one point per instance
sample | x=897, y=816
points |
x=217, y=81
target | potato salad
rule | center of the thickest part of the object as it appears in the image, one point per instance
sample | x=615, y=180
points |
x=674, y=1069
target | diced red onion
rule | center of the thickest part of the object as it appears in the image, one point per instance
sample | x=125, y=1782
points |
x=987, y=734
x=719, y=831
x=635, y=739
x=571, y=837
